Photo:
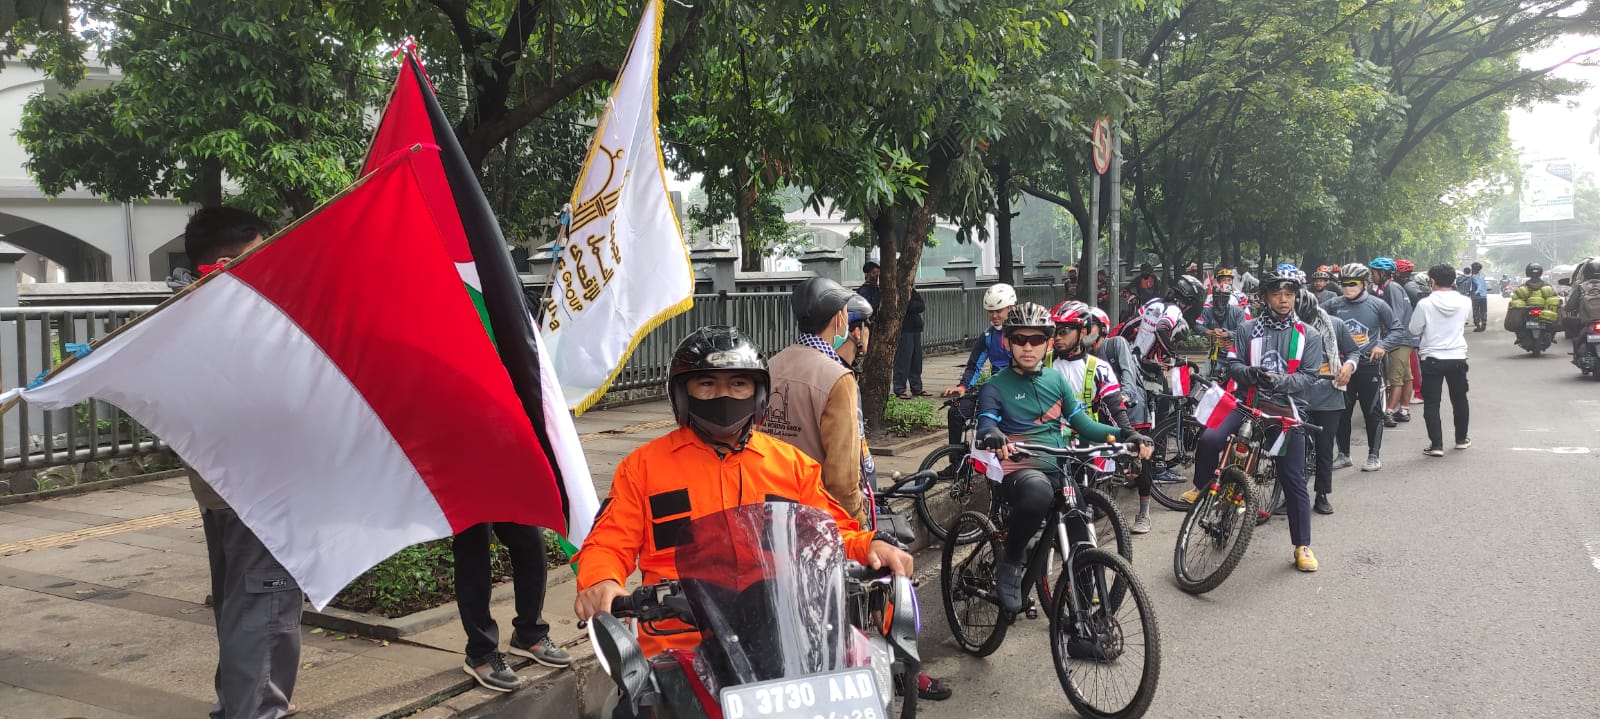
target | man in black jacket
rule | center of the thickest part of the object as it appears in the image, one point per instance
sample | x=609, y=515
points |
x=908, y=354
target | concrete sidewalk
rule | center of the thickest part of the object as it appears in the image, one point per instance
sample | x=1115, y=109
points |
x=101, y=610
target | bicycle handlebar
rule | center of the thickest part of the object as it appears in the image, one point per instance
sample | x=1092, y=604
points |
x=1024, y=448
x=910, y=485
x=1286, y=422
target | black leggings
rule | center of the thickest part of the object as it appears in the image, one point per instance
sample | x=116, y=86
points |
x=1328, y=420
x=1029, y=493
x=1366, y=389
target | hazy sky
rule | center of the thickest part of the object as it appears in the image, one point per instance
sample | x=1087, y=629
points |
x=1563, y=129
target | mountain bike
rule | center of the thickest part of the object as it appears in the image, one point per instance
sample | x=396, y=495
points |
x=1216, y=530
x=1102, y=621
x=1176, y=435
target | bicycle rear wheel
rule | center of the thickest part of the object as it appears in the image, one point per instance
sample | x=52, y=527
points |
x=958, y=489
x=1110, y=527
x=1108, y=652
x=1215, y=533
x=1175, y=441
x=1270, y=491
x=967, y=581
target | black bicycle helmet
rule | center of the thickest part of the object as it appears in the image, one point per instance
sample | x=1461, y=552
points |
x=1029, y=315
x=711, y=349
x=1279, y=280
x=816, y=301
x=1533, y=269
x=1305, y=306
x=1187, y=290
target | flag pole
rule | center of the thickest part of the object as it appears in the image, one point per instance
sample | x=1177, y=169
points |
x=564, y=220
x=70, y=359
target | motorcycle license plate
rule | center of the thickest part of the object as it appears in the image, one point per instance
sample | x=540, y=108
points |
x=1534, y=325
x=845, y=694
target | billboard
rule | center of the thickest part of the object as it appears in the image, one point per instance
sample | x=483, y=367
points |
x=1546, y=194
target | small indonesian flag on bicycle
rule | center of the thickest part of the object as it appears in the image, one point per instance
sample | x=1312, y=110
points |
x=988, y=463
x=1214, y=406
x=1178, y=381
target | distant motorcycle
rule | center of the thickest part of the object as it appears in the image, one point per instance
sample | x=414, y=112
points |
x=1587, y=355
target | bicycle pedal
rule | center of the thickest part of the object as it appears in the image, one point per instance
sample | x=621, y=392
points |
x=1032, y=612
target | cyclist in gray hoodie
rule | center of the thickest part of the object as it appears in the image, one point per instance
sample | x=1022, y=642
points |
x=1374, y=327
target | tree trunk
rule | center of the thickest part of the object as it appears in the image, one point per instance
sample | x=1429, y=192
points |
x=899, y=254
x=210, y=184
x=1002, y=220
x=744, y=202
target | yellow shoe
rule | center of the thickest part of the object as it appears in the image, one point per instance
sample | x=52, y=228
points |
x=1304, y=560
x=1190, y=496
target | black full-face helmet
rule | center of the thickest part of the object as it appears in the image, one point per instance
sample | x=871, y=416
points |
x=718, y=348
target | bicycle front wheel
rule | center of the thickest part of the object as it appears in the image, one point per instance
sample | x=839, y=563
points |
x=967, y=581
x=1175, y=440
x=958, y=489
x=1107, y=649
x=1215, y=533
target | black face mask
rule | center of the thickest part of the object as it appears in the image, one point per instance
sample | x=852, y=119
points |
x=723, y=418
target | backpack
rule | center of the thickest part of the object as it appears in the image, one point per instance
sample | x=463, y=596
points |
x=1464, y=284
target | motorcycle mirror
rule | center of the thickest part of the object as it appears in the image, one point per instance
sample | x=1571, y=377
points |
x=620, y=657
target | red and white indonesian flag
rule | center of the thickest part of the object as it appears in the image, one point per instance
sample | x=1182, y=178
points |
x=1178, y=380
x=624, y=268
x=988, y=463
x=1214, y=406
x=342, y=419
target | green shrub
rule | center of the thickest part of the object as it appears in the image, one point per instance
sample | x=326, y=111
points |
x=423, y=576
x=905, y=416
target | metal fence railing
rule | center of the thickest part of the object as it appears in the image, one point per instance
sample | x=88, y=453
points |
x=33, y=339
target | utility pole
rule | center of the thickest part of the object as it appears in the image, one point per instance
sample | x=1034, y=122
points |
x=1114, y=273
x=1091, y=243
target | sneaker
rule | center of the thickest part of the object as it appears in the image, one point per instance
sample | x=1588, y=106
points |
x=543, y=651
x=1008, y=583
x=1464, y=443
x=1141, y=524
x=494, y=674
x=1321, y=505
x=1190, y=496
x=1342, y=460
x=1372, y=465
x=1388, y=420
x=1402, y=415
x=1416, y=399
x=1304, y=560
x=1434, y=451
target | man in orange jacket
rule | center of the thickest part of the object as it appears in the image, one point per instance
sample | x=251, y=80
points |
x=718, y=386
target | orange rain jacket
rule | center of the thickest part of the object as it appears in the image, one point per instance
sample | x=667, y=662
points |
x=676, y=478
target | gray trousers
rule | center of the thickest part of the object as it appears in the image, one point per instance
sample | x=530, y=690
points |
x=256, y=605
x=908, y=363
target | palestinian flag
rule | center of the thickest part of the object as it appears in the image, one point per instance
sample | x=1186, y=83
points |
x=474, y=243
x=341, y=419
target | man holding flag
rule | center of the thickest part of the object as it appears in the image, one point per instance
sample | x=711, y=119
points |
x=1274, y=362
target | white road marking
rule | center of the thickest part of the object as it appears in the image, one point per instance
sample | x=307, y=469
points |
x=1553, y=450
x=1594, y=553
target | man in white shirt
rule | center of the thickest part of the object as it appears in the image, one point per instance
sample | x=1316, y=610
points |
x=1438, y=324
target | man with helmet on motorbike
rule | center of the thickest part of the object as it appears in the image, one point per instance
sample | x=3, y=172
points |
x=1583, y=305
x=1372, y=324
x=988, y=347
x=1274, y=364
x=815, y=402
x=718, y=386
x=1094, y=383
x=1025, y=403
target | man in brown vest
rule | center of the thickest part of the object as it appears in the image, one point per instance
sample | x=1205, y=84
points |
x=815, y=403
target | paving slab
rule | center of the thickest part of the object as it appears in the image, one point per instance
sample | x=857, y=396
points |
x=19, y=703
x=123, y=504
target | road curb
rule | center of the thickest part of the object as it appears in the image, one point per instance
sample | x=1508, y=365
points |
x=87, y=487
x=376, y=626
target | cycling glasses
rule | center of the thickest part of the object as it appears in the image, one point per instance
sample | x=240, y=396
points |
x=1352, y=283
x=1027, y=340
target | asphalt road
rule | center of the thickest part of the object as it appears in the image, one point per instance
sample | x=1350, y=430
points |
x=1462, y=586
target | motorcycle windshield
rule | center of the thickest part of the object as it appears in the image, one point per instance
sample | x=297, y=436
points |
x=766, y=585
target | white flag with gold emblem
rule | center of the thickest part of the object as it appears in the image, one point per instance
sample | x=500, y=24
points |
x=624, y=269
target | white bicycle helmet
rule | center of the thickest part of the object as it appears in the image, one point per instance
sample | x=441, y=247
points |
x=998, y=297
